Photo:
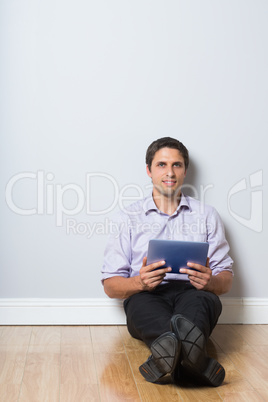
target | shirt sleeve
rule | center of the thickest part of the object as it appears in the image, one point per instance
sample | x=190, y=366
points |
x=219, y=260
x=117, y=254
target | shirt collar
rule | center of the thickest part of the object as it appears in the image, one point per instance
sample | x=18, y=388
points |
x=149, y=204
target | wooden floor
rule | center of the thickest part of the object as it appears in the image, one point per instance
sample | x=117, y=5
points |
x=100, y=363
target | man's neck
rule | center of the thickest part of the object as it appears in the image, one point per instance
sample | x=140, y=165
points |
x=165, y=204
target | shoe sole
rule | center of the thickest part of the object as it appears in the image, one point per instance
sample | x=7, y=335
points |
x=165, y=352
x=193, y=352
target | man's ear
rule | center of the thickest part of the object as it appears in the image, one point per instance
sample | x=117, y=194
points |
x=148, y=171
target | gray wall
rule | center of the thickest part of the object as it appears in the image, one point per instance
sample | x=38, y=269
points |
x=86, y=86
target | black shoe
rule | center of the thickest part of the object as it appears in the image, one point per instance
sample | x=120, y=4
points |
x=193, y=352
x=165, y=352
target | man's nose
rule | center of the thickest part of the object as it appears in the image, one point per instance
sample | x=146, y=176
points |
x=170, y=171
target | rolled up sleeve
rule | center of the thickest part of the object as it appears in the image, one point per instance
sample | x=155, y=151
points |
x=219, y=260
x=117, y=254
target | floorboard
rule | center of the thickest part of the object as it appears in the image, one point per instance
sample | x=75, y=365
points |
x=101, y=363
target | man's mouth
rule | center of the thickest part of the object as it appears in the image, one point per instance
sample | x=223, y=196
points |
x=169, y=182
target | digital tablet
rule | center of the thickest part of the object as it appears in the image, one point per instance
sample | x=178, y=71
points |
x=177, y=253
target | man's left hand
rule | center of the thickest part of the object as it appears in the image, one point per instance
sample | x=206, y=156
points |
x=200, y=276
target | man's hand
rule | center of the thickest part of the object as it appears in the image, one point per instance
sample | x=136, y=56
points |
x=150, y=277
x=201, y=278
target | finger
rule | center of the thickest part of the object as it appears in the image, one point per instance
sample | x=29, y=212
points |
x=158, y=274
x=195, y=276
x=198, y=267
x=196, y=282
x=197, y=279
x=155, y=279
x=152, y=282
x=155, y=275
x=144, y=261
x=189, y=271
x=156, y=265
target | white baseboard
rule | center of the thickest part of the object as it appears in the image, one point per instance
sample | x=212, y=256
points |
x=106, y=311
x=246, y=310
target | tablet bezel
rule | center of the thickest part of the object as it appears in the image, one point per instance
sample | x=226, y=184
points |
x=176, y=253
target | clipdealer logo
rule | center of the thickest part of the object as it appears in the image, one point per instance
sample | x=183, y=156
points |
x=51, y=197
x=253, y=191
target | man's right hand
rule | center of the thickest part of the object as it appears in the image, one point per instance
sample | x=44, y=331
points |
x=150, y=276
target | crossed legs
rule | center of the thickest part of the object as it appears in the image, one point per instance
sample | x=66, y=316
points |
x=172, y=320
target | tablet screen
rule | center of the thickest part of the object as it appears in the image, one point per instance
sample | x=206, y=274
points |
x=177, y=253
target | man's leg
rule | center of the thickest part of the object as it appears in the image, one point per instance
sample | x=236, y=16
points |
x=148, y=315
x=196, y=314
x=201, y=307
x=148, y=319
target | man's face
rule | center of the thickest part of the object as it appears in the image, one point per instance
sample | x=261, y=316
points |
x=167, y=172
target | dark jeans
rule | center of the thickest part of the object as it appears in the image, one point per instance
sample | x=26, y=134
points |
x=149, y=313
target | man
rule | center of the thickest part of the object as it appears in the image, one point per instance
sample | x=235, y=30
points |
x=174, y=314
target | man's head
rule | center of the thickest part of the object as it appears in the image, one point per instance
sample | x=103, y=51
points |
x=166, y=164
x=166, y=142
